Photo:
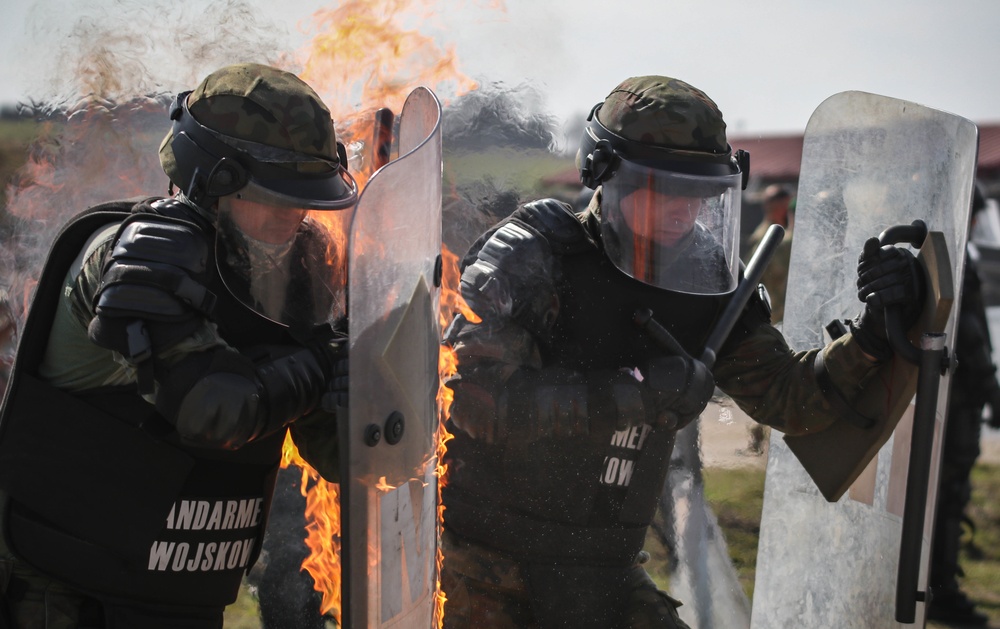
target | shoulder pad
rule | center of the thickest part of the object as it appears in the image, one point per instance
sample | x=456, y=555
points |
x=153, y=289
x=512, y=261
x=156, y=269
x=119, y=205
x=162, y=239
x=558, y=224
x=172, y=208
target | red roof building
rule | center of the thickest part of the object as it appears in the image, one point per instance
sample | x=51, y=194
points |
x=776, y=158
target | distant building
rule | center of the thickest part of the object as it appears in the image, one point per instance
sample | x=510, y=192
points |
x=776, y=159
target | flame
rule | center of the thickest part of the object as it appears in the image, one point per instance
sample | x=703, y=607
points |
x=322, y=529
x=322, y=497
x=381, y=485
x=450, y=302
x=361, y=60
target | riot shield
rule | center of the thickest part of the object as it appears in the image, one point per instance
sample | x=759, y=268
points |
x=702, y=574
x=868, y=163
x=389, y=488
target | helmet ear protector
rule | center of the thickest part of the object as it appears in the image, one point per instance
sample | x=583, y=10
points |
x=601, y=152
x=213, y=165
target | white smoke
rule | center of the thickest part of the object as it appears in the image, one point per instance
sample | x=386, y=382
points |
x=104, y=84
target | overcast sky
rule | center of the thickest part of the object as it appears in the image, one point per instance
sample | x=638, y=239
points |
x=768, y=64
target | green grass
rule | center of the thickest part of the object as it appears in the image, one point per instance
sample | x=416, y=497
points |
x=981, y=552
x=736, y=497
x=20, y=131
x=509, y=169
x=244, y=613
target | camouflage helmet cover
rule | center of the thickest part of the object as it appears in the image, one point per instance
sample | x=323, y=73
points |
x=264, y=105
x=663, y=122
x=669, y=212
x=665, y=112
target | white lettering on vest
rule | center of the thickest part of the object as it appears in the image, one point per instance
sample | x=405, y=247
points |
x=207, y=557
x=631, y=438
x=218, y=515
x=617, y=471
x=159, y=555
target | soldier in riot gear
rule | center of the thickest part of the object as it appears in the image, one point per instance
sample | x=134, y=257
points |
x=171, y=344
x=565, y=410
x=974, y=386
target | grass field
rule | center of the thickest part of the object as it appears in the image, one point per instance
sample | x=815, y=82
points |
x=736, y=496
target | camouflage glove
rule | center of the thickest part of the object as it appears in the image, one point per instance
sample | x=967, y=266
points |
x=887, y=276
x=680, y=389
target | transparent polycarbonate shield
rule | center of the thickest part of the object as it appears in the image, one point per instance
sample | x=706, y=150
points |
x=869, y=162
x=702, y=574
x=389, y=501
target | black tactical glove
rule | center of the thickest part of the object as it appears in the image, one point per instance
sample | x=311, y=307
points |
x=337, y=386
x=887, y=276
x=681, y=388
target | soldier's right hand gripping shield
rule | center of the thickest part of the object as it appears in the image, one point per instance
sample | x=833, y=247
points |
x=834, y=499
x=389, y=488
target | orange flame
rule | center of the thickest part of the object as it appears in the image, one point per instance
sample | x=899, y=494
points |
x=322, y=497
x=362, y=60
x=450, y=302
x=322, y=529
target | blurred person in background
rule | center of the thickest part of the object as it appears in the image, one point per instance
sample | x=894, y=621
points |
x=973, y=387
x=779, y=209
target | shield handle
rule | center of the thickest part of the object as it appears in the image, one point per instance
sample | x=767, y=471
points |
x=932, y=360
x=913, y=234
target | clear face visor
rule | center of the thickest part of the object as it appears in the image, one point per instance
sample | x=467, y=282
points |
x=282, y=258
x=671, y=230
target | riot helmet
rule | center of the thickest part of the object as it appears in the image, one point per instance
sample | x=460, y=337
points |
x=254, y=148
x=670, y=185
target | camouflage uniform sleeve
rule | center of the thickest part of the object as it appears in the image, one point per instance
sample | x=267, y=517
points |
x=778, y=387
x=75, y=363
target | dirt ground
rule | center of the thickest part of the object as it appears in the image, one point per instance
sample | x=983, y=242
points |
x=726, y=437
x=726, y=431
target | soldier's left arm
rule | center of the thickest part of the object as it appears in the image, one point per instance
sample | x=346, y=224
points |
x=782, y=388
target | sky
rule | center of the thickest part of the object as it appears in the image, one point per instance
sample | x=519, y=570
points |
x=768, y=64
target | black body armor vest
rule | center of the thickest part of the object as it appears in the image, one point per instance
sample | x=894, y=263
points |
x=582, y=500
x=102, y=495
